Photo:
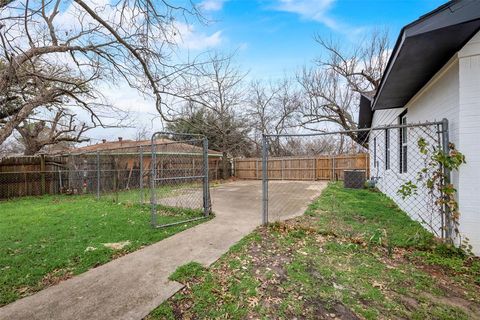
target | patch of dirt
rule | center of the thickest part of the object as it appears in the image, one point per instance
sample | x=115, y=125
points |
x=443, y=278
x=337, y=311
x=267, y=261
x=410, y=303
x=452, y=294
x=270, y=260
x=471, y=308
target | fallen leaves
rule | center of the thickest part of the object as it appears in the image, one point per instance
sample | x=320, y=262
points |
x=55, y=277
x=117, y=245
x=378, y=285
x=253, y=302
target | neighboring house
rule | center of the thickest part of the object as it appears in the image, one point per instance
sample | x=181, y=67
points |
x=173, y=154
x=122, y=145
x=116, y=164
x=433, y=73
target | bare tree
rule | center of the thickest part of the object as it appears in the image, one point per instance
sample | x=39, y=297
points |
x=273, y=109
x=326, y=100
x=55, y=53
x=143, y=133
x=218, y=90
x=62, y=129
x=331, y=89
x=363, y=65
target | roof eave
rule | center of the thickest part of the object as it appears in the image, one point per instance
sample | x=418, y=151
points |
x=412, y=42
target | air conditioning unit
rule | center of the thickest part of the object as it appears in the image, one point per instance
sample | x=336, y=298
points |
x=354, y=179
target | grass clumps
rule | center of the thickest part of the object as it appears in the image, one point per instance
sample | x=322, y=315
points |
x=187, y=272
x=353, y=255
x=369, y=214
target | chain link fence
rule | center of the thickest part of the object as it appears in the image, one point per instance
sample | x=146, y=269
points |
x=121, y=174
x=395, y=160
x=180, y=177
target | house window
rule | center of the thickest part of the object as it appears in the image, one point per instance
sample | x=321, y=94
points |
x=387, y=149
x=375, y=152
x=403, y=143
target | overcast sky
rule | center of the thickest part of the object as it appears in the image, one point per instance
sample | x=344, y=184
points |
x=272, y=38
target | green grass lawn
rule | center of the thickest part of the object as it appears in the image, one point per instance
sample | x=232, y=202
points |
x=353, y=255
x=44, y=240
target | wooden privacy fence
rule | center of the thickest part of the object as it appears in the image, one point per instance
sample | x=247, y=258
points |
x=90, y=173
x=302, y=168
x=30, y=175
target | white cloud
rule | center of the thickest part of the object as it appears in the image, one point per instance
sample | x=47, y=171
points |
x=212, y=5
x=311, y=9
x=316, y=10
x=188, y=37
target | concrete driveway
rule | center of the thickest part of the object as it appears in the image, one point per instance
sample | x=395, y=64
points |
x=133, y=285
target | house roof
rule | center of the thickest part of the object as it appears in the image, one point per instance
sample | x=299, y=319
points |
x=365, y=116
x=122, y=145
x=422, y=49
x=365, y=112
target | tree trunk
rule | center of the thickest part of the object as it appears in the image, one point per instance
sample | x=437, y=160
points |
x=25, y=111
x=30, y=151
x=225, y=164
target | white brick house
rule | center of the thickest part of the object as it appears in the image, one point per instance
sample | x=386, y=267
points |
x=434, y=73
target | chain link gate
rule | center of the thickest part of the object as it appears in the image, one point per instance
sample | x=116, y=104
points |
x=384, y=158
x=179, y=181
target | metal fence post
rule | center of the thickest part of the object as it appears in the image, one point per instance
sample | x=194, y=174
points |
x=446, y=150
x=98, y=175
x=264, y=180
x=206, y=190
x=153, y=176
x=141, y=176
x=116, y=181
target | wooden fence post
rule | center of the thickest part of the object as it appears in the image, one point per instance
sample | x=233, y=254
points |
x=42, y=174
x=333, y=168
x=367, y=165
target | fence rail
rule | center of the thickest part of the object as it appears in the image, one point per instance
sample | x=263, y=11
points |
x=329, y=167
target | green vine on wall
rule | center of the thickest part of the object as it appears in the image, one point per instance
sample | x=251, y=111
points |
x=435, y=178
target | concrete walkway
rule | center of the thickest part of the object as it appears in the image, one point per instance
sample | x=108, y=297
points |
x=133, y=285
